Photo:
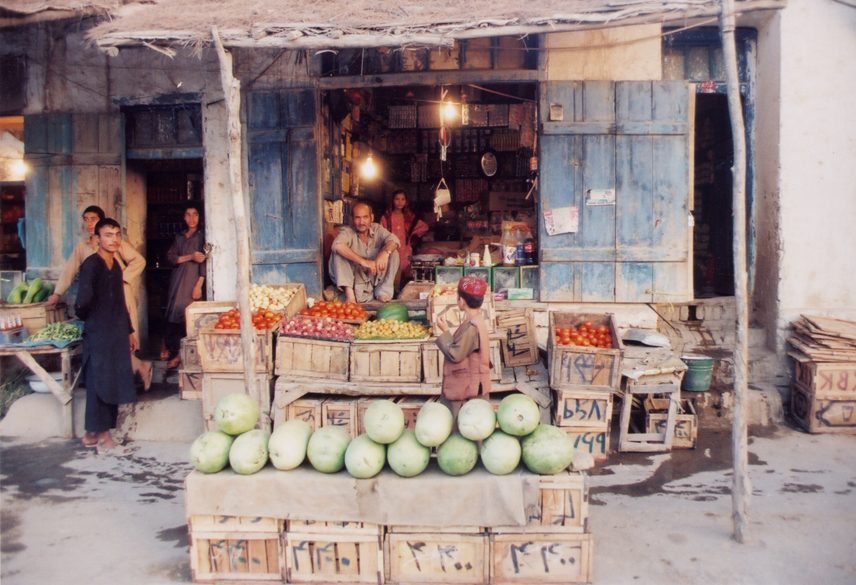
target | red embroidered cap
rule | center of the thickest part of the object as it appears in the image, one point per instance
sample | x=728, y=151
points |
x=472, y=285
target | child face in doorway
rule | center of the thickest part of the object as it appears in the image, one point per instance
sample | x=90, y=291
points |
x=191, y=218
x=399, y=202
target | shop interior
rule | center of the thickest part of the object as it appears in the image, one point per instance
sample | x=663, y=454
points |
x=478, y=142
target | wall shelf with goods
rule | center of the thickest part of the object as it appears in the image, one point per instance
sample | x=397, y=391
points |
x=12, y=253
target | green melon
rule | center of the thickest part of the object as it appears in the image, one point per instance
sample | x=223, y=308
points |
x=518, y=415
x=500, y=453
x=476, y=419
x=209, y=453
x=326, y=448
x=383, y=421
x=287, y=445
x=433, y=424
x=547, y=450
x=394, y=311
x=364, y=458
x=457, y=455
x=236, y=413
x=249, y=452
x=407, y=456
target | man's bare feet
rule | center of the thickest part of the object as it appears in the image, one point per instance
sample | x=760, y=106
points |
x=349, y=295
x=89, y=439
x=174, y=362
x=384, y=298
x=146, y=374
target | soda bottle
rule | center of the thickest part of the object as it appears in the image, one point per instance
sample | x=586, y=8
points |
x=509, y=246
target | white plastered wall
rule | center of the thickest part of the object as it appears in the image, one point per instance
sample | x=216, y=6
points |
x=817, y=161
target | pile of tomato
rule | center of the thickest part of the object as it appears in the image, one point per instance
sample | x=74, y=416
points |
x=336, y=310
x=262, y=319
x=586, y=335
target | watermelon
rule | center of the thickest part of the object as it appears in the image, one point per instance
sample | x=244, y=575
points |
x=326, y=448
x=287, y=445
x=249, y=452
x=407, y=456
x=209, y=453
x=236, y=413
x=383, y=421
x=394, y=311
x=476, y=419
x=433, y=424
x=518, y=415
x=547, y=450
x=364, y=458
x=500, y=453
x=457, y=455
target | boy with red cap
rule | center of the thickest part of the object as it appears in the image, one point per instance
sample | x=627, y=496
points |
x=466, y=370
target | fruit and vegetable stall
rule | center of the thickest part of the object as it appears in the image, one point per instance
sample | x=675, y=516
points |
x=374, y=480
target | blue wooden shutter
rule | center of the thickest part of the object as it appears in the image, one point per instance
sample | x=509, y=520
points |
x=285, y=205
x=76, y=160
x=630, y=137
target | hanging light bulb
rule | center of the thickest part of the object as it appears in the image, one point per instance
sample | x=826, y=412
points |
x=449, y=111
x=19, y=169
x=369, y=170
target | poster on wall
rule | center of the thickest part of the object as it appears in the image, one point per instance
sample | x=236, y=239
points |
x=562, y=220
x=600, y=197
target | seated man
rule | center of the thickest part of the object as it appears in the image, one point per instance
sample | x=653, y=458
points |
x=363, y=262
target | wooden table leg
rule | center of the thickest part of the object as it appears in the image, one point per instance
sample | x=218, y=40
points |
x=68, y=407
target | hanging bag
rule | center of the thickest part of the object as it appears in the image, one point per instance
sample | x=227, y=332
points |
x=443, y=196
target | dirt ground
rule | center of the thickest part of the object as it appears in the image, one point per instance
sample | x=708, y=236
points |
x=72, y=517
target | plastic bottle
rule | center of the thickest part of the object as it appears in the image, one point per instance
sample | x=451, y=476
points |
x=486, y=260
x=530, y=249
x=520, y=256
x=509, y=245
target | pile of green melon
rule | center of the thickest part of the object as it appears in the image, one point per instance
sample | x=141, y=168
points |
x=544, y=449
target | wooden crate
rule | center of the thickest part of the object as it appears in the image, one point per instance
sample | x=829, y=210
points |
x=447, y=305
x=563, y=499
x=312, y=358
x=594, y=441
x=220, y=350
x=199, y=314
x=572, y=366
x=686, y=428
x=190, y=354
x=542, y=559
x=433, y=359
x=436, y=557
x=388, y=361
x=307, y=409
x=224, y=548
x=190, y=384
x=583, y=409
x=827, y=413
x=520, y=346
x=833, y=378
x=216, y=385
x=297, y=302
x=36, y=316
x=410, y=406
x=341, y=412
x=333, y=557
x=317, y=526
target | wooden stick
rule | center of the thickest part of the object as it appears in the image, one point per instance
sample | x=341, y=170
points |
x=742, y=485
x=232, y=91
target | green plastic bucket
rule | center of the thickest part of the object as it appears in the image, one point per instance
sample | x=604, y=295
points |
x=698, y=374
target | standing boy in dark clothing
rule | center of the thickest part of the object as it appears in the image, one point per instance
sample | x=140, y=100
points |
x=108, y=340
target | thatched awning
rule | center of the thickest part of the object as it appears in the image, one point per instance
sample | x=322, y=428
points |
x=320, y=24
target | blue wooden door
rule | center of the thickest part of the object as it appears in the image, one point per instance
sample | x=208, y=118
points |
x=76, y=160
x=285, y=204
x=630, y=138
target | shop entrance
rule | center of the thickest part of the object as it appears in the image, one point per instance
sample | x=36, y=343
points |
x=479, y=140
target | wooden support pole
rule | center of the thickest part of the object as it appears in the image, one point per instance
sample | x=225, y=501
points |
x=232, y=93
x=741, y=490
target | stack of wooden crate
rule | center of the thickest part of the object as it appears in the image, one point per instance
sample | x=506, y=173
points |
x=555, y=546
x=583, y=380
x=197, y=315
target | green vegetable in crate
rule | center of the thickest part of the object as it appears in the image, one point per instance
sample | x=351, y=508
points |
x=34, y=287
x=249, y=452
x=394, y=311
x=57, y=332
x=547, y=450
x=17, y=295
x=43, y=293
x=209, y=453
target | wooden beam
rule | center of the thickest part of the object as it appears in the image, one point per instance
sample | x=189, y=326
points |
x=741, y=490
x=476, y=76
x=232, y=91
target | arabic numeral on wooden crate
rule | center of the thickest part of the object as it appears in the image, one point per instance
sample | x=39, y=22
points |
x=226, y=548
x=563, y=500
x=312, y=358
x=216, y=385
x=221, y=350
x=436, y=557
x=520, y=347
x=592, y=440
x=333, y=557
x=824, y=413
x=190, y=384
x=386, y=362
x=527, y=558
x=573, y=366
x=307, y=409
x=582, y=409
x=341, y=412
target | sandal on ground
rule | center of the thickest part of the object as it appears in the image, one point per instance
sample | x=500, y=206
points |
x=89, y=445
x=116, y=450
